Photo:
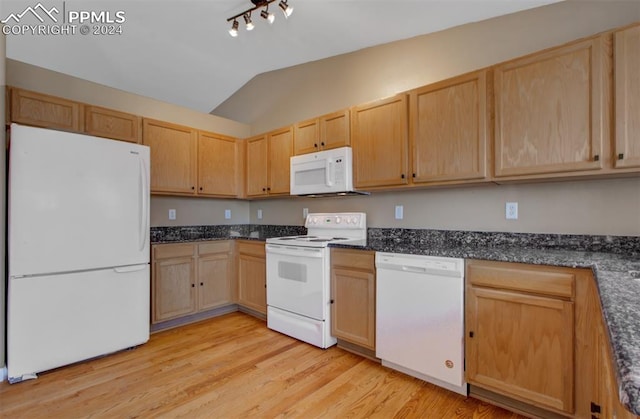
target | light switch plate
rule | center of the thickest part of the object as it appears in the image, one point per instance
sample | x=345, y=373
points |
x=511, y=211
x=227, y=214
x=172, y=214
x=399, y=212
x=259, y=215
x=305, y=212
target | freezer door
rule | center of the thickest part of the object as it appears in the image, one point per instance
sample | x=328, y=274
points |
x=75, y=202
x=55, y=320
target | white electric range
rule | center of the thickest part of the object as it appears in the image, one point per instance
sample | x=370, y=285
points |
x=298, y=275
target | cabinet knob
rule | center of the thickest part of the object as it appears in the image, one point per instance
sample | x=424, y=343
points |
x=413, y=175
x=331, y=301
x=264, y=189
x=471, y=334
x=193, y=188
x=315, y=145
x=402, y=176
x=202, y=283
x=268, y=189
x=621, y=156
x=596, y=157
x=200, y=188
x=193, y=285
x=322, y=144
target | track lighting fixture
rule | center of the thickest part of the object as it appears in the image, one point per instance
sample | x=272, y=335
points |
x=264, y=13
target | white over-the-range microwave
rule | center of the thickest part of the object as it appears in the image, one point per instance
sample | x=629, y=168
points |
x=328, y=172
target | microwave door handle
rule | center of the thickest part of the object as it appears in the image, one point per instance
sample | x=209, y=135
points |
x=329, y=175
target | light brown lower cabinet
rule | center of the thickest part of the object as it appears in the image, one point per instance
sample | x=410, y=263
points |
x=353, y=293
x=252, y=276
x=536, y=342
x=188, y=278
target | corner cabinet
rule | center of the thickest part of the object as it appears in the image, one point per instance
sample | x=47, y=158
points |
x=449, y=130
x=267, y=163
x=173, y=157
x=552, y=111
x=252, y=276
x=379, y=138
x=353, y=293
x=189, y=278
x=627, y=97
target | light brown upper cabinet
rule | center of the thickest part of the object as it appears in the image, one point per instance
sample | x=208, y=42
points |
x=448, y=129
x=108, y=123
x=173, y=157
x=268, y=163
x=551, y=113
x=379, y=137
x=627, y=97
x=40, y=110
x=323, y=133
x=217, y=165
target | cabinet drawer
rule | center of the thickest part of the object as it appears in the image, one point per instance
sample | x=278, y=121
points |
x=546, y=280
x=251, y=248
x=353, y=259
x=166, y=251
x=214, y=247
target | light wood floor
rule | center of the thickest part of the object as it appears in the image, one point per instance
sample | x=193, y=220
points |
x=233, y=367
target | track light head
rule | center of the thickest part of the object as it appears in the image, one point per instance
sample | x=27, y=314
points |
x=234, y=28
x=286, y=9
x=266, y=15
x=247, y=20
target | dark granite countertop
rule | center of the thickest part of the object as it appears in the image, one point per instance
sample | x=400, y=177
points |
x=615, y=261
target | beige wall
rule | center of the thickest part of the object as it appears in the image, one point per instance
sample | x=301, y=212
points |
x=608, y=207
x=197, y=211
x=285, y=96
x=41, y=80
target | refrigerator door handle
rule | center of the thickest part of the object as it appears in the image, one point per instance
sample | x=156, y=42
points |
x=127, y=269
x=144, y=209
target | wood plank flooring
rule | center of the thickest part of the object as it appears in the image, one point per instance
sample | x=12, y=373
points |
x=233, y=367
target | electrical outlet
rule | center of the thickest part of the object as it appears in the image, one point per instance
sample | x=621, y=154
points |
x=305, y=212
x=259, y=214
x=172, y=214
x=399, y=212
x=511, y=211
x=227, y=214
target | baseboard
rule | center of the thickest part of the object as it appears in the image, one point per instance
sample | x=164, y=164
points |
x=170, y=324
x=516, y=406
x=252, y=312
x=3, y=374
x=358, y=350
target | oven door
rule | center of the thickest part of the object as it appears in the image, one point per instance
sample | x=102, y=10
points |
x=298, y=280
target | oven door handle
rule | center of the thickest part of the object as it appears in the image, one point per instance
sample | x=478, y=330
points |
x=309, y=252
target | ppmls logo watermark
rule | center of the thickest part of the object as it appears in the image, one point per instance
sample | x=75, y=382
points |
x=40, y=20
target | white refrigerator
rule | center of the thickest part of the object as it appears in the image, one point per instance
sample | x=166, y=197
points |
x=78, y=249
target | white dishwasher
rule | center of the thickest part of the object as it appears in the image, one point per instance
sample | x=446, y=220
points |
x=420, y=317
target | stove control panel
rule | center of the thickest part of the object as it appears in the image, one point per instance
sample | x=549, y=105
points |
x=342, y=220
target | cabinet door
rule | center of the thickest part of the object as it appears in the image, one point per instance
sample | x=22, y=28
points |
x=216, y=165
x=280, y=152
x=173, y=157
x=551, y=111
x=379, y=140
x=353, y=306
x=108, y=123
x=37, y=109
x=252, y=282
x=307, y=137
x=335, y=130
x=174, y=292
x=449, y=122
x=521, y=346
x=256, y=163
x=214, y=281
x=627, y=97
